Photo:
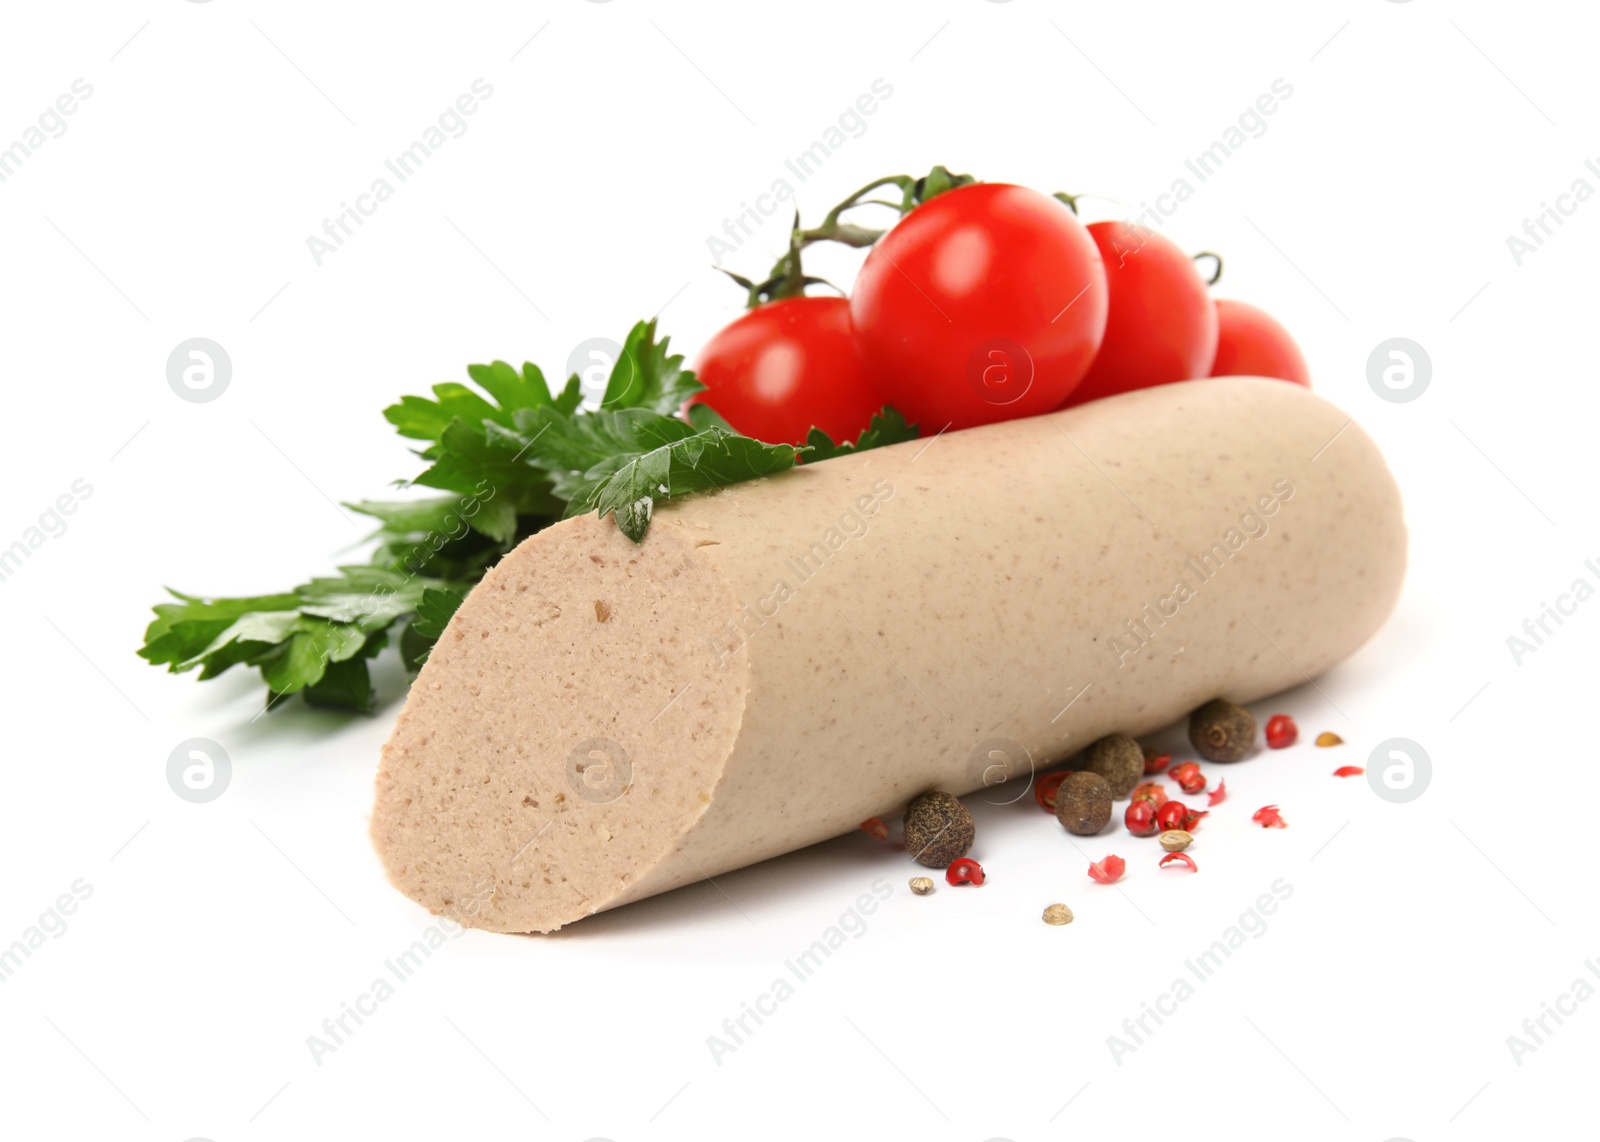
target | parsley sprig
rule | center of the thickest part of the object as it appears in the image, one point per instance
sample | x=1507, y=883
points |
x=509, y=457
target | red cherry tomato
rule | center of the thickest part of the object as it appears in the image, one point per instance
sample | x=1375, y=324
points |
x=985, y=303
x=1162, y=326
x=786, y=366
x=1251, y=343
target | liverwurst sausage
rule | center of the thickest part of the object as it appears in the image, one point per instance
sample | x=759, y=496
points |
x=603, y=721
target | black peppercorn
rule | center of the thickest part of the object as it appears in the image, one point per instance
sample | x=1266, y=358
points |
x=1118, y=759
x=1221, y=731
x=938, y=829
x=1083, y=803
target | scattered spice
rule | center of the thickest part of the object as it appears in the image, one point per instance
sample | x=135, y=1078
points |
x=1218, y=795
x=938, y=829
x=921, y=885
x=875, y=828
x=1192, y=817
x=1189, y=777
x=1107, y=871
x=1222, y=731
x=1172, y=815
x=1045, y=792
x=1083, y=803
x=1328, y=737
x=1281, y=732
x=1140, y=818
x=1155, y=762
x=601, y=611
x=1058, y=914
x=1118, y=759
x=1176, y=858
x=964, y=871
x=1152, y=791
x=1268, y=817
x=1176, y=840
x=1349, y=771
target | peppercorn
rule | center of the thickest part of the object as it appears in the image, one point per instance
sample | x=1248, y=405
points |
x=1221, y=731
x=1083, y=803
x=964, y=871
x=1108, y=870
x=1058, y=914
x=938, y=829
x=1140, y=818
x=1281, y=732
x=1045, y=792
x=1171, y=815
x=921, y=885
x=1118, y=759
x=1153, y=792
x=1189, y=777
x=1175, y=840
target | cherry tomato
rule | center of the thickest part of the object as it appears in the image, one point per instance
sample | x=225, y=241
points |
x=786, y=366
x=1251, y=343
x=1162, y=326
x=985, y=303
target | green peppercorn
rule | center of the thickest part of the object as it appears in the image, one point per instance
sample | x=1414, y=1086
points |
x=1083, y=803
x=1118, y=759
x=938, y=829
x=1221, y=731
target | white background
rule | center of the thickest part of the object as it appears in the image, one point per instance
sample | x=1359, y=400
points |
x=219, y=135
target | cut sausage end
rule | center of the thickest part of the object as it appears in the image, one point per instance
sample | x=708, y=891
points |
x=547, y=762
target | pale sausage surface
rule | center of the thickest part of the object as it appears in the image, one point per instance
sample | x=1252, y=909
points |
x=781, y=660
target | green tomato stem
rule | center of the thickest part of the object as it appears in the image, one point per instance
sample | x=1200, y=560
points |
x=788, y=278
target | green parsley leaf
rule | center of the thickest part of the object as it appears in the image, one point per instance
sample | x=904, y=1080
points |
x=510, y=389
x=422, y=419
x=367, y=597
x=434, y=612
x=647, y=376
x=886, y=427
x=295, y=640
x=510, y=458
x=433, y=615
x=432, y=538
x=471, y=453
x=696, y=462
x=569, y=448
x=409, y=517
x=303, y=655
x=344, y=685
x=183, y=630
x=704, y=416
